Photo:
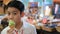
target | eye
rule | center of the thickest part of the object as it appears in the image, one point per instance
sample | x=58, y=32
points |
x=8, y=13
x=14, y=13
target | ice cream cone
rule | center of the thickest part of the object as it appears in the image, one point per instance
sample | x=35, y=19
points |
x=11, y=24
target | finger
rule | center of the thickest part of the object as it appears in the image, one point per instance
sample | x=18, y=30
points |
x=10, y=31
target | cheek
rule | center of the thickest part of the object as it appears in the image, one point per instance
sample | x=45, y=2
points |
x=17, y=18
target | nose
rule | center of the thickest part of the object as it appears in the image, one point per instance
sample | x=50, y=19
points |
x=11, y=16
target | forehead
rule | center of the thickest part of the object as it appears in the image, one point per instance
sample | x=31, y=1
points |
x=12, y=9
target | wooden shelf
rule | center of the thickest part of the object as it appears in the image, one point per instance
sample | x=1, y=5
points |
x=6, y=1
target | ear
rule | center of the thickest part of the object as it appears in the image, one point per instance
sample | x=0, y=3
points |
x=22, y=14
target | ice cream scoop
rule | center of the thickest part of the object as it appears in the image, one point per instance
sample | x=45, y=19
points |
x=11, y=24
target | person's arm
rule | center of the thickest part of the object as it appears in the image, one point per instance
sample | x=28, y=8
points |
x=3, y=18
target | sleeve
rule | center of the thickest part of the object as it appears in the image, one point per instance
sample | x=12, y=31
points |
x=3, y=32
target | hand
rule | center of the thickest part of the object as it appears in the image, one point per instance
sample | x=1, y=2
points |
x=10, y=31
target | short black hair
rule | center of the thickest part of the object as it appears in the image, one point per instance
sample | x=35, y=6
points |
x=16, y=4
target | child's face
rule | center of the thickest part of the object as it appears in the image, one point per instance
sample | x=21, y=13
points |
x=13, y=14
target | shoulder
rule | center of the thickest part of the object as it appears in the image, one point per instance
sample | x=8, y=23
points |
x=4, y=30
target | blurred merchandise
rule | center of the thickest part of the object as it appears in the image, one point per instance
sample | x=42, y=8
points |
x=47, y=11
x=44, y=21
